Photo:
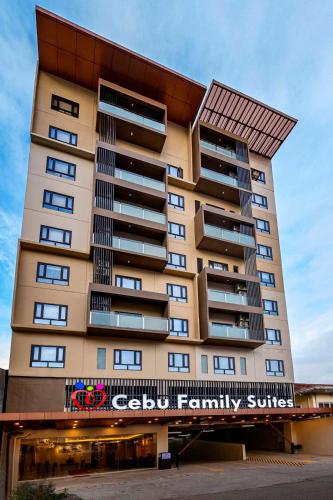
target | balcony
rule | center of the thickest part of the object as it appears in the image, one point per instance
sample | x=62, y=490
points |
x=139, y=245
x=139, y=212
x=122, y=312
x=139, y=120
x=230, y=310
x=222, y=231
x=140, y=180
x=220, y=164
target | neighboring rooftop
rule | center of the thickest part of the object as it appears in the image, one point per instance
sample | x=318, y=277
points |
x=263, y=127
x=313, y=388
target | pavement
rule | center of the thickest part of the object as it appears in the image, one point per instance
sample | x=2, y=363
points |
x=263, y=476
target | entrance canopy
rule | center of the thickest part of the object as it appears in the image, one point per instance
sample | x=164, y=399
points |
x=180, y=418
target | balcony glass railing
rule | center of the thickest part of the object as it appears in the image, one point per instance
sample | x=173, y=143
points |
x=129, y=115
x=225, y=331
x=230, y=298
x=141, y=213
x=226, y=234
x=218, y=149
x=139, y=247
x=123, y=320
x=142, y=180
x=218, y=176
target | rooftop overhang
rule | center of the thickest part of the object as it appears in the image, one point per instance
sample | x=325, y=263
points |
x=81, y=56
x=264, y=128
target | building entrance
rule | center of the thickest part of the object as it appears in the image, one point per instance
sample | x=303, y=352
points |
x=61, y=456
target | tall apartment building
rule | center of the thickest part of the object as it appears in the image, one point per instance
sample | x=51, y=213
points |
x=149, y=262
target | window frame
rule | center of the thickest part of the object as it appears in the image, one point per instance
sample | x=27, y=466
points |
x=184, y=296
x=53, y=242
x=261, y=178
x=184, y=332
x=179, y=171
x=53, y=133
x=242, y=365
x=204, y=369
x=120, y=366
x=278, y=338
x=172, y=367
x=52, y=171
x=263, y=203
x=268, y=255
x=51, y=321
x=175, y=235
x=52, y=280
x=98, y=350
x=51, y=206
x=275, y=310
x=224, y=371
x=39, y=360
x=267, y=225
x=181, y=198
x=270, y=283
x=120, y=278
x=182, y=259
x=275, y=373
x=211, y=265
x=55, y=105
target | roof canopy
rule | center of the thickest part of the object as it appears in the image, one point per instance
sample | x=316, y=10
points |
x=263, y=127
x=74, y=53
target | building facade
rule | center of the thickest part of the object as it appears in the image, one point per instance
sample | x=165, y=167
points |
x=149, y=261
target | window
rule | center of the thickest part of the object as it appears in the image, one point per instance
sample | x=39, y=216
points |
x=179, y=327
x=264, y=252
x=53, y=274
x=224, y=365
x=128, y=282
x=178, y=362
x=50, y=314
x=127, y=360
x=258, y=176
x=55, y=236
x=57, y=201
x=65, y=106
x=259, y=200
x=177, y=293
x=176, y=230
x=220, y=266
x=242, y=362
x=175, y=171
x=266, y=279
x=275, y=367
x=263, y=226
x=236, y=269
x=199, y=265
x=176, y=260
x=63, y=136
x=272, y=336
x=47, y=356
x=270, y=307
x=60, y=168
x=101, y=358
x=176, y=201
x=204, y=363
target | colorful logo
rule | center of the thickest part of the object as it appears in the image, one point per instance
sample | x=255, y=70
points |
x=88, y=397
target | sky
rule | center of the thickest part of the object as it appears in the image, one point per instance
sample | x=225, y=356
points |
x=278, y=52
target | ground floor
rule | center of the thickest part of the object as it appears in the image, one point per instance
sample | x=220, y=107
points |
x=263, y=475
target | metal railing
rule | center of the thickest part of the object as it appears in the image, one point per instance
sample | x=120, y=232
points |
x=141, y=213
x=228, y=297
x=130, y=115
x=226, y=234
x=138, y=247
x=123, y=320
x=226, y=331
x=142, y=180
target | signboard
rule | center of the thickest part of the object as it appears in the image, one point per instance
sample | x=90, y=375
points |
x=93, y=397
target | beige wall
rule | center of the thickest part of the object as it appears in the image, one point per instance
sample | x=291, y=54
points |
x=315, y=436
x=81, y=350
